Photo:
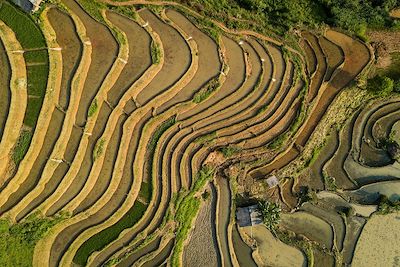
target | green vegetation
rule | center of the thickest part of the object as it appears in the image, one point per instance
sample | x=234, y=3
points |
x=128, y=11
x=281, y=16
x=301, y=243
x=93, y=8
x=145, y=191
x=187, y=205
x=98, y=149
x=37, y=56
x=103, y=238
x=386, y=206
x=156, y=54
x=330, y=182
x=211, y=86
x=30, y=37
x=21, y=146
x=25, y=29
x=380, y=85
x=393, y=70
x=229, y=151
x=17, y=241
x=314, y=155
x=270, y=214
x=93, y=108
x=206, y=139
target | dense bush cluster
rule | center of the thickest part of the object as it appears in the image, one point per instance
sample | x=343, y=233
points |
x=280, y=16
x=383, y=85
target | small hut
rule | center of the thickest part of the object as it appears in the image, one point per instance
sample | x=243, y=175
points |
x=248, y=216
x=28, y=5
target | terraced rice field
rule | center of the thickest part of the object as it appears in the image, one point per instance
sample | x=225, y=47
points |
x=129, y=132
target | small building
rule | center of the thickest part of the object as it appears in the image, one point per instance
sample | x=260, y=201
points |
x=272, y=181
x=28, y=5
x=248, y=216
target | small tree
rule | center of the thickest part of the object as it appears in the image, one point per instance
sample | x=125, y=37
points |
x=380, y=85
x=270, y=213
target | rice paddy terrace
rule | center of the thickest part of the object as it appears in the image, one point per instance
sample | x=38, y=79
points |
x=130, y=132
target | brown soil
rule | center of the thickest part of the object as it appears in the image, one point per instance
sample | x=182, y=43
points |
x=234, y=79
x=104, y=52
x=5, y=93
x=311, y=57
x=334, y=54
x=71, y=51
x=309, y=225
x=223, y=215
x=209, y=63
x=87, y=163
x=139, y=55
x=176, y=58
x=319, y=75
x=30, y=182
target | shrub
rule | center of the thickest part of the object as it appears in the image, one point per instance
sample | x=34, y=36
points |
x=386, y=206
x=380, y=85
x=270, y=213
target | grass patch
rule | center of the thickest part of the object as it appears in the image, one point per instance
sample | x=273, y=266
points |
x=145, y=191
x=128, y=11
x=230, y=150
x=187, y=207
x=156, y=53
x=98, y=149
x=37, y=56
x=37, y=79
x=93, y=8
x=206, y=139
x=212, y=86
x=17, y=242
x=33, y=111
x=93, y=108
x=25, y=29
x=21, y=146
x=103, y=238
x=314, y=155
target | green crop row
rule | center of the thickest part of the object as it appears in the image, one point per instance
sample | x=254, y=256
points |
x=27, y=32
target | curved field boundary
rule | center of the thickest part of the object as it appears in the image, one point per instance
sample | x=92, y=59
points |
x=341, y=79
x=100, y=97
x=147, y=129
x=76, y=90
x=19, y=95
x=137, y=171
x=49, y=103
x=5, y=93
x=334, y=56
x=108, y=83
